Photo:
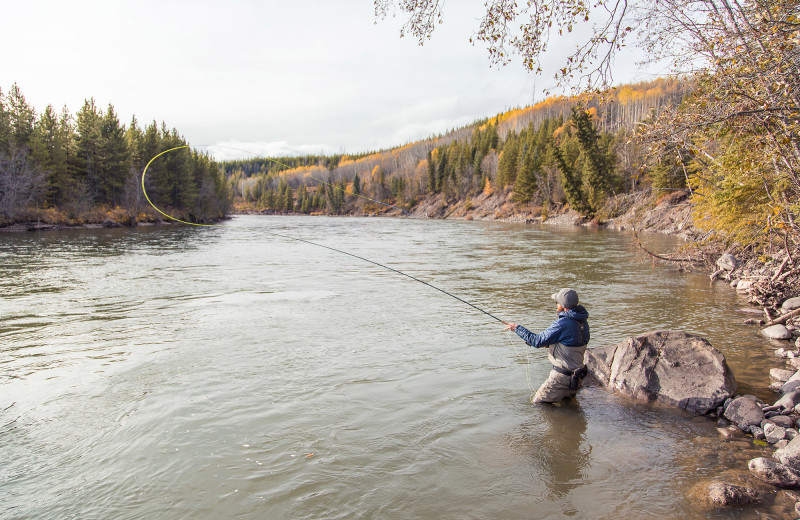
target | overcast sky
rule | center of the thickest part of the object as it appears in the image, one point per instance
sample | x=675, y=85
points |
x=269, y=77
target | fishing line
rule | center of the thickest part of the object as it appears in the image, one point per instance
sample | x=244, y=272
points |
x=144, y=190
x=527, y=365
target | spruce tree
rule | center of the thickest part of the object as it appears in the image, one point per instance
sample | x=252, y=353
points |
x=21, y=117
x=572, y=184
x=526, y=183
x=88, y=148
x=507, y=167
x=50, y=149
x=597, y=168
x=114, y=159
x=431, y=174
x=288, y=199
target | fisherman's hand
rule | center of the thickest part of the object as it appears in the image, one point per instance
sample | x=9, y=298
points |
x=510, y=326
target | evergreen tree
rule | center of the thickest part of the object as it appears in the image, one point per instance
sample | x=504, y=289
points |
x=431, y=174
x=271, y=199
x=441, y=170
x=50, y=149
x=670, y=169
x=572, y=184
x=21, y=118
x=179, y=167
x=88, y=144
x=288, y=198
x=526, y=184
x=157, y=180
x=307, y=200
x=114, y=159
x=509, y=158
x=597, y=167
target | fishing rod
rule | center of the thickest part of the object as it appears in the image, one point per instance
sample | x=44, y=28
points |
x=144, y=190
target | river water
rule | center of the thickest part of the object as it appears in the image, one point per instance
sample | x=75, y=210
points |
x=182, y=372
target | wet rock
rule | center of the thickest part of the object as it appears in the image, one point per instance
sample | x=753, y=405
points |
x=745, y=411
x=108, y=223
x=790, y=455
x=723, y=494
x=773, y=432
x=793, y=362
x=777, y=332
x=774, y=473
x=788, y=401
x=784, y=421
x=744, y=286
x=727, y=262
x=780, y=374
x=780, y=444
x=757, y=432
x=730, y=432
x=670, y=367
x=790, y=305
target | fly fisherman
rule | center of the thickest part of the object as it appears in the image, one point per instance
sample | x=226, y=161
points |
x=567, y=338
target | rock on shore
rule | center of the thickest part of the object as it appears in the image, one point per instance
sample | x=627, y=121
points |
x=668, y=367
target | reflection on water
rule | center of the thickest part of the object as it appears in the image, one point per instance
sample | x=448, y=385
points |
x=565, y=456
x=176, y=372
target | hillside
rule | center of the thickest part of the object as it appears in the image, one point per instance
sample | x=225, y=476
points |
x=463, y=162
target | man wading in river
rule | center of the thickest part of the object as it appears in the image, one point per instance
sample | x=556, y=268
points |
x=567, y=338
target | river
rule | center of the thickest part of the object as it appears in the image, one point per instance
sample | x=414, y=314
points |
x=183, y=372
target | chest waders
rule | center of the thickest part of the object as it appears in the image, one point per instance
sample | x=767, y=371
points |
x=577, y=374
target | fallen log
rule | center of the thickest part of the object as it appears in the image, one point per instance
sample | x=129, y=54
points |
x=783, y=318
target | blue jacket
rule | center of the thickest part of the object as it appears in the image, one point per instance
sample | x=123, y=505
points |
x=565, y=330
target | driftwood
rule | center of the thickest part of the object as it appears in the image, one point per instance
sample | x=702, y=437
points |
x=659, y=257
x=780, y=269
x=716, y=273
x=784, y=318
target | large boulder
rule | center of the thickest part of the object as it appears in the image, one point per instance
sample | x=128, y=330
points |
x=669, y=367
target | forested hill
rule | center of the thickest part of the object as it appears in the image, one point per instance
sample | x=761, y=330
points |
x=64, y=169
x=546, y=155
